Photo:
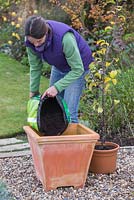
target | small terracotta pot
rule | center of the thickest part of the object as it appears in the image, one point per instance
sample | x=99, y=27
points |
x=104, y=161
x=62, y=160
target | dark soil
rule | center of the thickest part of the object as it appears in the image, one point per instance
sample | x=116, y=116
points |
x=124, y=137
x=122, y=141
x=103, y=147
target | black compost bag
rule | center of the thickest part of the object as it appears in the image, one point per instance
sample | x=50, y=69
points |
x=52, y=116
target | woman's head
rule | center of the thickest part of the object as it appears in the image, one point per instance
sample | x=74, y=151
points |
x=36, y=30
x=35, y=27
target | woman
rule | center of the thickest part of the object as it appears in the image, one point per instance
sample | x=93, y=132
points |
x=66, y=51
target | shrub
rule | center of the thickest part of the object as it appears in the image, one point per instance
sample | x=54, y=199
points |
x=123, y=116
x=13, y=40
x=119, y=109
x=103, y=104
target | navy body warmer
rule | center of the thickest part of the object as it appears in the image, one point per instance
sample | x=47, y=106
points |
x=53, y=52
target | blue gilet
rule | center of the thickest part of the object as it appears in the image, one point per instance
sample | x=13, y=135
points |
x=53, y=51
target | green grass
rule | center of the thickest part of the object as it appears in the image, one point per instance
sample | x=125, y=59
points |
x=14, y=95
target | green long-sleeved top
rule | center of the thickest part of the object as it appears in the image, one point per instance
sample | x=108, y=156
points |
x=73, y=58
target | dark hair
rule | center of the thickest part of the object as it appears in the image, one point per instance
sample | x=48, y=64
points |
x=35, y=27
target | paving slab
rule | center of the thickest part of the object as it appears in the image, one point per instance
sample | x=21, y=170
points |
x=7, y=141
x=15, y=154
x=14, y=147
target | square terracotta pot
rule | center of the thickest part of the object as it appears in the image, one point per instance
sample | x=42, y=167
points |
x=63, y=160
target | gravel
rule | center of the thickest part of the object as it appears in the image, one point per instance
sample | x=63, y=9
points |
x=19, y=175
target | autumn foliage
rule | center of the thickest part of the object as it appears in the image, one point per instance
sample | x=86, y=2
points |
x=105, y=25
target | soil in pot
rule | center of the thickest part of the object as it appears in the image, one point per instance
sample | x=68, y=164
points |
x=104, y=147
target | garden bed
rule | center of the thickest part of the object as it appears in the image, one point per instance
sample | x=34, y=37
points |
x=122, y=141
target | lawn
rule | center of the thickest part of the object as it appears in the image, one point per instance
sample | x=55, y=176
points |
x=14, y=95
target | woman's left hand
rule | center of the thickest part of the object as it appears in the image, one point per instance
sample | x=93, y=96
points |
x=50, y=92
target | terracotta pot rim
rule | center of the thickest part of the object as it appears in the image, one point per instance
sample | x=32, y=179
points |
x=110, y=144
